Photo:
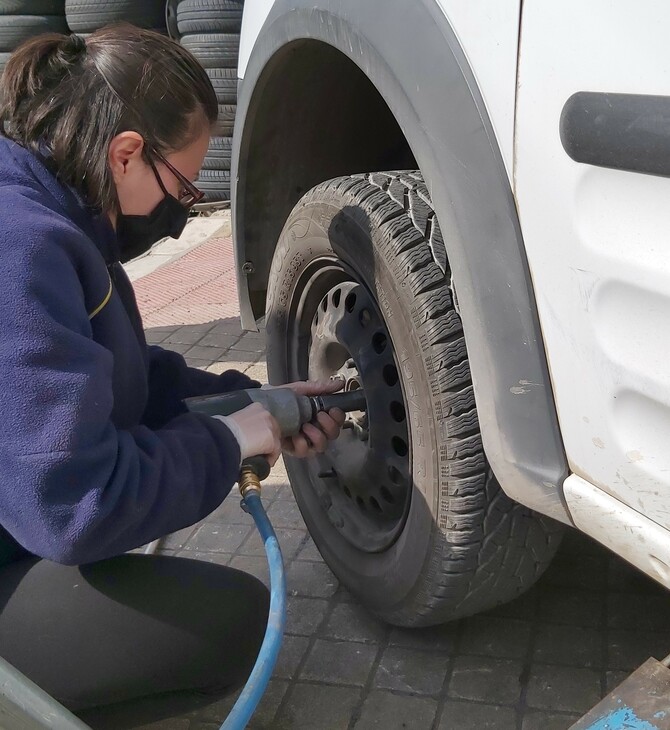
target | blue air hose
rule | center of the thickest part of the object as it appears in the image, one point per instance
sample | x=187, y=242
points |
x=267, y=657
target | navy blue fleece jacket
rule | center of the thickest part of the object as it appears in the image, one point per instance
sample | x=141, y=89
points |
x=97, y=452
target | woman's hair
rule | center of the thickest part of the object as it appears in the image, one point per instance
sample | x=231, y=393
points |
x=67, y=98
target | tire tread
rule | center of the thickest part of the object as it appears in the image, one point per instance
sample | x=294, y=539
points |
x=488, y=549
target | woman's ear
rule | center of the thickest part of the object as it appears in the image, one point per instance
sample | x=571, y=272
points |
x=125, y=152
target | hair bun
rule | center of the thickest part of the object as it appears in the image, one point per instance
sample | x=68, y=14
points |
x=74, y=46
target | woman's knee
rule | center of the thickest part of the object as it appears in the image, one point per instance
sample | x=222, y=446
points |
x=255, y=607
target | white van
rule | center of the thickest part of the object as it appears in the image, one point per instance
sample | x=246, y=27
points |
x=464, y=208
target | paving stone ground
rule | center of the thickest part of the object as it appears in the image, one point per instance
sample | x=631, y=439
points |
x=537, y=663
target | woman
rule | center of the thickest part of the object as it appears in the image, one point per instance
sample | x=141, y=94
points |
x=98, y=454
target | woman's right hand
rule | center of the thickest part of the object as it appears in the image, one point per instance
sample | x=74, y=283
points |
x=256, y=431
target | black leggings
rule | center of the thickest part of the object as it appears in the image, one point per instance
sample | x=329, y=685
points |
x=129, y=627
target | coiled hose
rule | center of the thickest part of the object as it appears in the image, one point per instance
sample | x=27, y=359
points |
x=267, y=657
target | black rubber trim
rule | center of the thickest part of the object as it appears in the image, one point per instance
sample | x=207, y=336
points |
x=621, y=131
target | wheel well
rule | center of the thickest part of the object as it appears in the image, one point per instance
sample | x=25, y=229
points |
x=314, y=115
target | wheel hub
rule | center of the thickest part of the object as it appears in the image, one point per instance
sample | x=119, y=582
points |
x=363, y=479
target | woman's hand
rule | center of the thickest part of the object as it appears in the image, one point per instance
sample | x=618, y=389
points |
x=256, y=432
x=314, y=437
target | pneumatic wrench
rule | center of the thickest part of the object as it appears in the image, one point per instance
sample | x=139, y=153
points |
x=290, y=410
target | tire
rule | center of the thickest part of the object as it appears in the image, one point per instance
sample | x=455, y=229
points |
x=218, y=154
x=215, y=184
x=87, y=16
x=224, y=81
x=214, y=50
x=4, y=57
x=32, y=7
x=225, y=122
x=213, y=178
x=224, y=129
x=171, y=19
x=14, y=29
x=209, y=16
x=403, y=506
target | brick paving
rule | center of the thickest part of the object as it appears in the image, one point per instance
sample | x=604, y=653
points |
x=199, y=287
x=537, y=663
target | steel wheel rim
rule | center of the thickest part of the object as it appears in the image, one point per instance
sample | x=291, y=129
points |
x=363, y=480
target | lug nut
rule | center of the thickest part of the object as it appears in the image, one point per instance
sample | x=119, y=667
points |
x=335, y=518
x=361, y=433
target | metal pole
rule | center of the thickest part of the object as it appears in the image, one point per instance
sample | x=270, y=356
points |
x=25, y=706
x=151, y=548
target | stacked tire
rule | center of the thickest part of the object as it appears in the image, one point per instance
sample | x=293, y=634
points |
x=86, y=16
x=210, y=30
x=23, y=19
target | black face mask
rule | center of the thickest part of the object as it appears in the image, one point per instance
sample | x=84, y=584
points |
x=137, y=233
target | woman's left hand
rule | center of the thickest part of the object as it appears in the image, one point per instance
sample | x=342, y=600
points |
x=314, y=437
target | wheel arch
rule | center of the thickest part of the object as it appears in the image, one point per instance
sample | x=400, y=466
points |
x=385, y=104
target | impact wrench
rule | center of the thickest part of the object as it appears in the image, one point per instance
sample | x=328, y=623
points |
x=291, y=411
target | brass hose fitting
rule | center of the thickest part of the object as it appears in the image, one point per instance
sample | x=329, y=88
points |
x=248, y=480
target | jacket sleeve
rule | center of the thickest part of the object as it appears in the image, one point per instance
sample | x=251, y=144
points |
x=171, y=380
x=76, y=489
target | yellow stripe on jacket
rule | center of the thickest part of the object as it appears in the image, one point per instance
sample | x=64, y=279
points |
x=104, y=302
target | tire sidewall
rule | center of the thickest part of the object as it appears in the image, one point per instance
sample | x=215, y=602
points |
x=15, y=29
x=87, y=16
x=324, y=227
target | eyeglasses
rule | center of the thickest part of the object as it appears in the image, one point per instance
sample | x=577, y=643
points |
x=189, y=195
